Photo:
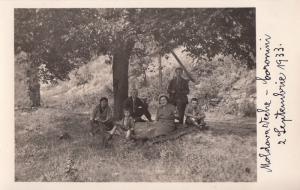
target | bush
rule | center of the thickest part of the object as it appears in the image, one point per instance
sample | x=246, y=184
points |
x=81, y=76
x=247, y=108
x=231, y=108
x=251, y=89
x=86, y=85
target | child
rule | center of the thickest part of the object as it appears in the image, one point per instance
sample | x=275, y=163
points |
x=194, y=115
x=126, y=125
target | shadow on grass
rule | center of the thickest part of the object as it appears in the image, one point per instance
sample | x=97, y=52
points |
x=225, y=152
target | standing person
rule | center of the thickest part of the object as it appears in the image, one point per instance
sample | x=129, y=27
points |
x=178, y=90
x=137, y=107
x=101, y=119
x=194, y=114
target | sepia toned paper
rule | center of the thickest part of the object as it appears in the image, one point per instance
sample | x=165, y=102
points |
x=279, y=20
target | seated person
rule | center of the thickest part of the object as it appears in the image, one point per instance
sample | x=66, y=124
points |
x=165, y=121
x=194, y=114
x=137, y=107
x=165, y=116
x=126, y=125
x=101, y=118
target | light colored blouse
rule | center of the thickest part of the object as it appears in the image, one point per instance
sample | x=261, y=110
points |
x=166, y=112
x=127, y=123
x=192, y=112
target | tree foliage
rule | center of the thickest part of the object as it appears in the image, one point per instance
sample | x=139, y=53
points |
x=59, y=40
x=63, y=39
x=203, y=33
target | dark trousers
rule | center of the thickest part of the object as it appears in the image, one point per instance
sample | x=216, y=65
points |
x=181, y=109
x=98, y=127
x=139, y=112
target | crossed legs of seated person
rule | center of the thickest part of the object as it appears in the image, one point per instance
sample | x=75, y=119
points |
x=195, y=122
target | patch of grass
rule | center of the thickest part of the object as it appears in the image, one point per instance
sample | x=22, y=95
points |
x=222, y=153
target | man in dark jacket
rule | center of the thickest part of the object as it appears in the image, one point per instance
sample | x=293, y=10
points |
x=178, y=90
x=137, y=107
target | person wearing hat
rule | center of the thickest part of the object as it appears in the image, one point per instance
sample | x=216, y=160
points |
x=137, y=107
x=178, y=90
x=101, y=118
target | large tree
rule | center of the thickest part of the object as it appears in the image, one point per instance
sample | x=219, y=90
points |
x=63, y=39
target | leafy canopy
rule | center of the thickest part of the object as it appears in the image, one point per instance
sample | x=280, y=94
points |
x=64, y=39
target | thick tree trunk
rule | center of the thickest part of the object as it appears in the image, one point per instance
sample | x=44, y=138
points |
x=34, y=93
x=27, y=87
x=34, y=85
x=120, y=79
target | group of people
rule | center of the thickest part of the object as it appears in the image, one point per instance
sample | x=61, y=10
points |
x=171, y=108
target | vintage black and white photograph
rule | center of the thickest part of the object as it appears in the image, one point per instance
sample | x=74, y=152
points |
x=135, y=94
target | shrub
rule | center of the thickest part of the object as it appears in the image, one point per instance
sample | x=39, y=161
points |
x=81, y=76
x=251, y=89
x=247, y=108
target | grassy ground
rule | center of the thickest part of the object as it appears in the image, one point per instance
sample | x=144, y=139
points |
x=225, y=152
